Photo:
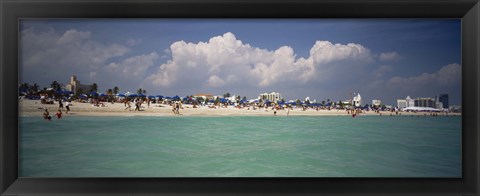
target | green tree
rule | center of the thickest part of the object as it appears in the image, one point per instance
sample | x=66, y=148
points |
x=323, y=102
x=298, y=102
x=141, y=91
x=116, y=90
x=55, y=85
x=24, y=86
x=226, y=95
x=94, y=87
x=34, y=88
x=109, y=91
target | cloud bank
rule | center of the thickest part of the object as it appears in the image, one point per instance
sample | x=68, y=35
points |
x=226, y=60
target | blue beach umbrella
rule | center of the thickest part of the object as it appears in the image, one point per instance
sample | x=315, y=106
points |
x=159, y=96
x=168, y=98
x=151, y=97
x=121, y=95
x=176, y=98
x=223, y=100
x=142, y=95
x=132, y=95
x=83, y=96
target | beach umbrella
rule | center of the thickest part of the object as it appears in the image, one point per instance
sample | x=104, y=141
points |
x=159, y=96
x=121, y=95
x=142, y=95
x=83, y=96
x=102, y=95
x=132, y=95
x=168, y=98
x=223, y=100
x=151, y=97
x=176, y=98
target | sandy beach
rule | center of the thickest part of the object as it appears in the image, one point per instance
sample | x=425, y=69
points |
x=32, y=108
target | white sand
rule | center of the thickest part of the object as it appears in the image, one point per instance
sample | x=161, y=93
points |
x=35, y=108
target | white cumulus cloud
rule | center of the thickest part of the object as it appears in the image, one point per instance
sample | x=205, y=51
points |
x=226, y=60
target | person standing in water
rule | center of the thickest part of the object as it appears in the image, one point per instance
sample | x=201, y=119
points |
x=46, y=115
x=60, y=104
x=59, y=114
x=67, y=105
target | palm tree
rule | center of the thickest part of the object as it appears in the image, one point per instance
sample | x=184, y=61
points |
x=226, y=95
x=55, y=85
x=116, y=90
x=109, y=91
x=34, y=88
x=94, y=87
x=141, y=91
x=23, y=86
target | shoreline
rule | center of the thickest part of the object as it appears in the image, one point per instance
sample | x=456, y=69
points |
x=33, y=108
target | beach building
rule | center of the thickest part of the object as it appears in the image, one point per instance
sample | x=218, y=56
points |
x=404, y=103
x=443, y=98
x=357, y=100
x=425, y=102
x=273, y=96
x=204, y=96
x=376, y=103
x=75, y=85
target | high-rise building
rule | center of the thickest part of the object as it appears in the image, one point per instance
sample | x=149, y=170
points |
x=425, y=102
x=443, y=98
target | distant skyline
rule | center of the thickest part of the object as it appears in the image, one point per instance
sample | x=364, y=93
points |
x=386, y=59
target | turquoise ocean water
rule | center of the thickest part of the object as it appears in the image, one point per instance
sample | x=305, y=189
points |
x=252, y=146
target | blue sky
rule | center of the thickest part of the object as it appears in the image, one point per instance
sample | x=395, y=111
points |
x=318, y=58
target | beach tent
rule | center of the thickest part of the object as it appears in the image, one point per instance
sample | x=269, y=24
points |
x=421, y=109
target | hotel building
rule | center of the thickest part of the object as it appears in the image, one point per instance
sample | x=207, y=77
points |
x=75, y=85
x=273, y=96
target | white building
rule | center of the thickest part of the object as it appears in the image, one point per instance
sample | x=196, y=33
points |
x=404, y=103
x=75, y=85
x=357, y=100
x=273, y=96
x=376, y=102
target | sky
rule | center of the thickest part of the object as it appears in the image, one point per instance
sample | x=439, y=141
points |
x=386, y=59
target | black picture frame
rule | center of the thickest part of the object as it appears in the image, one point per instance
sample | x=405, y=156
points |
x=11, y=11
